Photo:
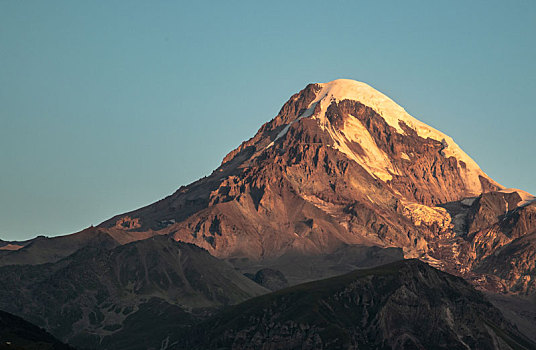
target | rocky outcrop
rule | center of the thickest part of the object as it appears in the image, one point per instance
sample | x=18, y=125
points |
x=269, y=278
x=493, y=242
x=514, y=264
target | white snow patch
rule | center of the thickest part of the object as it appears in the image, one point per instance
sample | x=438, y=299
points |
x=374, y=160
x=392, y=113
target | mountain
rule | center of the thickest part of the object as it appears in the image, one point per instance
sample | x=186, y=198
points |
x=17, y=334
x=303, y=173
x=106, y=295
x=341, y=179
x=342, y=165
x=403, y=305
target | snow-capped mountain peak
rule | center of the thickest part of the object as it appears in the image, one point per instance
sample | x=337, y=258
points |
x=394, y=115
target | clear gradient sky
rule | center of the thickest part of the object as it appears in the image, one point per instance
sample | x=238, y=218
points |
x=106, y=106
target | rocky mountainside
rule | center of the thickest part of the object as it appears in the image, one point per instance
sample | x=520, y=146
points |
x=18, y=334
x=491, y=241
x=403, y=305
x=304, y=174
x=342, y=164
x=107, y=295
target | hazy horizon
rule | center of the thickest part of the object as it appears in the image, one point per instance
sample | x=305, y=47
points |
x=106, y=108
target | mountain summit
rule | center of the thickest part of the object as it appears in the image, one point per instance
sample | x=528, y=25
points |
x=374, y=159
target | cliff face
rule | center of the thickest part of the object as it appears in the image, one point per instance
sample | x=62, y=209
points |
x=492, y=242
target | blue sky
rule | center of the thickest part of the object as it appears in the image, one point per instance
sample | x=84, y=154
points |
x=106, y=106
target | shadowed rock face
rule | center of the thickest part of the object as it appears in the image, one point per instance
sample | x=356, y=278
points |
x=18, y=334
x=403, y=305
x=91, y=295
x=269, y=278
x=514, y=264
